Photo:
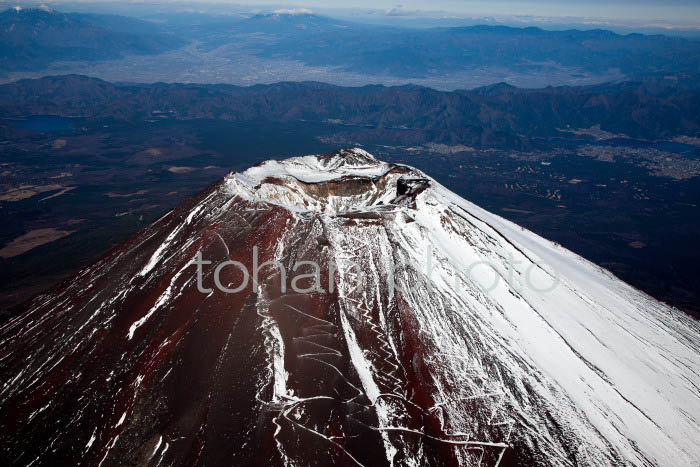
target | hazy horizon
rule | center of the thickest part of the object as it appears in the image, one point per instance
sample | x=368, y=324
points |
x=620, y=9
x=679, y=14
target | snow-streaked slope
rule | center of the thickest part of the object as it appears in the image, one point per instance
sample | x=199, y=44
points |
x=496, y=347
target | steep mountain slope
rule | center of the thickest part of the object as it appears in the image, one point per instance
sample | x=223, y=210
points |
x=494, y=347
x=30, y=39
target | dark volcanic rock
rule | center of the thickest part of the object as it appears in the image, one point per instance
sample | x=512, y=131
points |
x=129, y=363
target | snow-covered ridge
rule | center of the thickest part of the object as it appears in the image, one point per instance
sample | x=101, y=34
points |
x=315, y=168
x=499, y=348
x=628, y=365
x=302, y=183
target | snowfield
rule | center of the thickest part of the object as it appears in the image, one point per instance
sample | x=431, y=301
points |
x=466, y=340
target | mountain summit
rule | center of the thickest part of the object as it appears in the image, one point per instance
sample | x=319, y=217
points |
x=429, y=332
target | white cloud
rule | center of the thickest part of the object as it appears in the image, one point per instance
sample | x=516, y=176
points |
x=399, y=10
x=295, y=11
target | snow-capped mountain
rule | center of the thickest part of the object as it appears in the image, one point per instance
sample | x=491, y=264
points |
x=436, y=334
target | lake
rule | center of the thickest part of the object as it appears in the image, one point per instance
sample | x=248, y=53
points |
x=46, y=123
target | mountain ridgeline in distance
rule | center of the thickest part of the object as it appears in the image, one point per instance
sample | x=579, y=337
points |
x=538, y=358
x=419, y=52
x=499, y=116
x=30, y=39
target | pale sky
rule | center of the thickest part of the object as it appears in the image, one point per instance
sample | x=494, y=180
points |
x=634, y=13
x=644, y=10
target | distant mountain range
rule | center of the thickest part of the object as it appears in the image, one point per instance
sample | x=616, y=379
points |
x=419, y=52
x=30, y=39
x=499, y=116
